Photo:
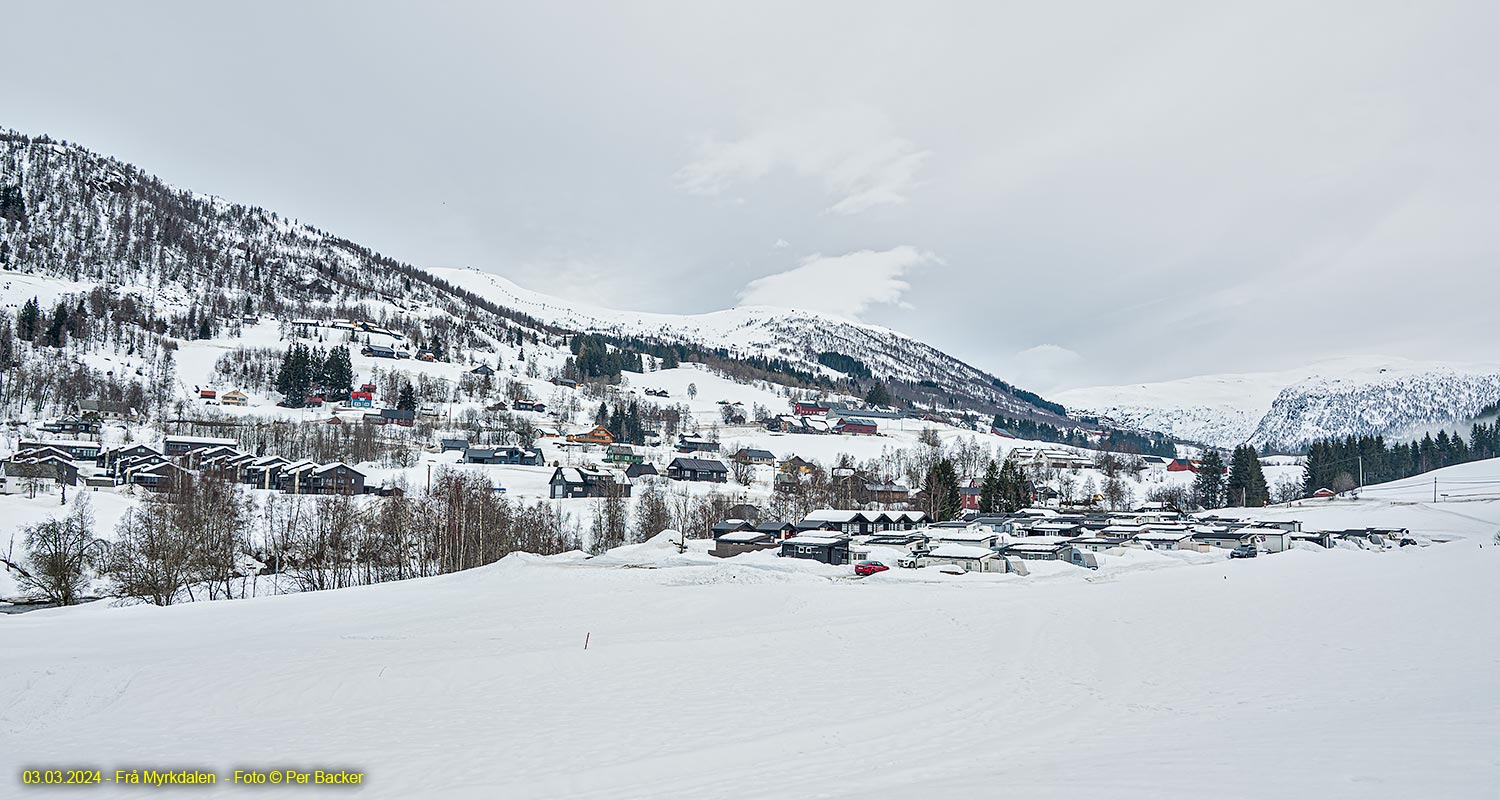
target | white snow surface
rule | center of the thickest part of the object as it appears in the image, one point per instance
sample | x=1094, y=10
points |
x=1336, y=674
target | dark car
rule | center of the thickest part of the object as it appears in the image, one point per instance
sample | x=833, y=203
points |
x=1244, y=551
x=869, y=568
x=1408, y=542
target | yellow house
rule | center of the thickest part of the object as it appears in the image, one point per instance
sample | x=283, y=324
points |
x=234, y=398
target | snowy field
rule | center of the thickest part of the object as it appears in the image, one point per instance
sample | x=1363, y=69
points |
x=1340, y=673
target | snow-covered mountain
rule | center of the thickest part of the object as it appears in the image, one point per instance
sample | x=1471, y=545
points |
x=197, y=263
x=1338, y=397
x=798, y=337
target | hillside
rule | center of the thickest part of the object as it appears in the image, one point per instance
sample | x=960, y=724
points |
x=1341, y=397
x=195, y=264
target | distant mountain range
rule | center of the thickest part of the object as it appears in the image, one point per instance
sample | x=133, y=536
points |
x=1287, y=409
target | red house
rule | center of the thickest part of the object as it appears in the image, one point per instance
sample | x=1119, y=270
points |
x=855, y=426
x=208, y=394
x=367, y=387
x=969, y=497
x=1325, y=492
x=808, y=409
x=1188, y=465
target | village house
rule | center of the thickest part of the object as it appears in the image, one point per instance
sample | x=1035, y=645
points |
x=72, y=425
x=378, y=351
x=967, y=557
x=335, y=478
x=643, y=469
x=405, y=417
x=861, y=522
x=968, y=535
x=235, y=397
x=749, y=540
x=1036, y=551
x=109, y=410
x=528, y=405
x=446, y=445
x=796, y=465
x=781, y=529
x=182, y=445
x=107, y=458
x=568, y=482
x=263, y=473
x=596, y=435
x=18, y=475
x=751, y=455
x=855, y=426
x=72, y=449
x=623, y=454
x=1167, y=540
x=361, y=399
x=828, y=548
x=157, y=477
x=697, y=469
x=483, y=370
x=692, y=444
x=503, y=455
x=809, y=409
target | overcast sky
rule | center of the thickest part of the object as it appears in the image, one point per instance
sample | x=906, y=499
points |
x=1064, y=194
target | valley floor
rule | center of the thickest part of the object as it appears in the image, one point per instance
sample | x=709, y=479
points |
x=1340, y=673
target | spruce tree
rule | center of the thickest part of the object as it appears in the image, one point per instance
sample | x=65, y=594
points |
x=1208, y=487
x=407, y=399
x=29, y=320
x=989, y=492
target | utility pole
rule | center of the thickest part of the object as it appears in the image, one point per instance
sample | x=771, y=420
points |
x=1361, y=471
x=1434, y=490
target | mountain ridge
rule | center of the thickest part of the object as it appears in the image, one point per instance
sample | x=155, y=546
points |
x=1352, y=395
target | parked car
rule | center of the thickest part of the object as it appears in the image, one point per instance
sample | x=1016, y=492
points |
x=869, y=568
x=1407, y=542
x=1244, y=551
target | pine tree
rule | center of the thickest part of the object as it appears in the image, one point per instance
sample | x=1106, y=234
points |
x=29, y=320
x=57, y=330
x=989, y=492
x=1208, y=487
x=941, y=491
x=1015, y=488
x=407, y=400
x=878, y=396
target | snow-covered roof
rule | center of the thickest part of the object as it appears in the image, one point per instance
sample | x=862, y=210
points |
x=811, y=539
x=743, y=536
x=831, y=515
x=960, y=551
x=959, y=534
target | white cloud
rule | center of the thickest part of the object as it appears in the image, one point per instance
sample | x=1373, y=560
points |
x=851, y=150
x=1045, y=367
x=845, y=285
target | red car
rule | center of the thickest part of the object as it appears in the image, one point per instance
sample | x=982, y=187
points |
x=869, y=568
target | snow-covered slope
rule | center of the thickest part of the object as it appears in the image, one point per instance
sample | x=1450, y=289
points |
x=1155, y=677
x=796, y=336
x=1355, y=395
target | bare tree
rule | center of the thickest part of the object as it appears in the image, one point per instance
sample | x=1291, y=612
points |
x=149, y=560
x=60, y=553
